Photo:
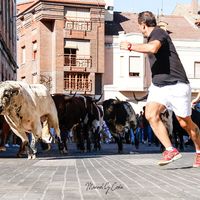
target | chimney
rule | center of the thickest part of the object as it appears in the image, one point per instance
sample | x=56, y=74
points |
x=109, y=9
x=194, y=7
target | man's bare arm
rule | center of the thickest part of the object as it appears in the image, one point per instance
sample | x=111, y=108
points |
x=151, y=47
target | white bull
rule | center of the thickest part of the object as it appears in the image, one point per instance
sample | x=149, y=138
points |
x=24, y=107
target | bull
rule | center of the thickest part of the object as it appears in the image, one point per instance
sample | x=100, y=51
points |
x=24, y=106
x=95, y=120
x=82, y=113
x=179, y=132
x=176, y=132
x=119, y=115
x=71, y=113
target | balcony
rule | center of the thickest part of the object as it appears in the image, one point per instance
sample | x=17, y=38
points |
x=77, y=82
x=78, y=25
x=77, y=62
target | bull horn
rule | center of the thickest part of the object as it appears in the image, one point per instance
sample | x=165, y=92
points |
x=66, y=96
x=73, y=94
x=97, y=100
x=100, y=103
x=117, y=99
x=70, y=97
x=140, y=99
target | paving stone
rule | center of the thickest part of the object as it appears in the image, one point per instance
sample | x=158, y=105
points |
x=103, y=175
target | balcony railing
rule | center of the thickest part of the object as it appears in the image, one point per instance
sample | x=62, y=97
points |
x=79, y=25
x=77, y=82
x=73, y=60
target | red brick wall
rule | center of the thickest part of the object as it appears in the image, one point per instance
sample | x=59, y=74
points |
x=50, y=38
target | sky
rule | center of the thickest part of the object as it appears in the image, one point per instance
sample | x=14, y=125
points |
x=137, y=6
x=154, y=6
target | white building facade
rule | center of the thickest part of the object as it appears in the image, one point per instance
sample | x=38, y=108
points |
x=127, y=72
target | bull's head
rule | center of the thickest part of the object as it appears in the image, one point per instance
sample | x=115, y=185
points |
x=7, y=91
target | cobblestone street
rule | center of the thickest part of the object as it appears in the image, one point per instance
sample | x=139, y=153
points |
x=104, y=175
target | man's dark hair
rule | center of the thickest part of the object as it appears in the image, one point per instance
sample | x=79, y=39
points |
x=147, y=18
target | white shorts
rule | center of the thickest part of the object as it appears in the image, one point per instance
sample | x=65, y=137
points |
x=174, y=97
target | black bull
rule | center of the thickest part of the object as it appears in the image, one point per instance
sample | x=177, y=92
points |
x=119, y=115
x=178, y=131
x=82, y=113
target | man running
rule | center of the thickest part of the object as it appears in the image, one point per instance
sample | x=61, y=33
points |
x=170, y=87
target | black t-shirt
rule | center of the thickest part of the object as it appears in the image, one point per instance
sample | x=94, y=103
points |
x=166, y=66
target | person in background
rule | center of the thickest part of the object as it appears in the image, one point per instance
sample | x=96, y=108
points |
x=196, y=99
x=141, y=127
x=170, y=87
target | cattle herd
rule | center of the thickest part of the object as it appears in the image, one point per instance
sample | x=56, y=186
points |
x=30, y=110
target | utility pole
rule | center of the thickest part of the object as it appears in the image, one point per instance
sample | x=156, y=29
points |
x=161, y=13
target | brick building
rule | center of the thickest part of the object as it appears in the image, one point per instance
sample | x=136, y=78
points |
x=8, y=66
x=61, y=44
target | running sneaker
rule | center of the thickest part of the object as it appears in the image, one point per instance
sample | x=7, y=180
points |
x=197, y=160
x=170, y=156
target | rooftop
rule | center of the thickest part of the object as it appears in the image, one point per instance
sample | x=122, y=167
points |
x=176, y=25
x=21, y=7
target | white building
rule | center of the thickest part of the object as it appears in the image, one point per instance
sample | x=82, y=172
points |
x=127, y=72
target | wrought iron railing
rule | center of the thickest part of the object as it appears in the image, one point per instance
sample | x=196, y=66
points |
x=73, y=60
x=79, y=25
x=77, y=82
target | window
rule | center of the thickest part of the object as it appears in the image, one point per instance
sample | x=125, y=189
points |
x=35, y=45
x=23, y=78
x=22, y=20
x=34, y=55
x=77, y=13
x=23, y=59
x=122, y=67
x=78, y=19
x=77, y=82
x=70, y=57
x=196, y=69
x=34, y=78
x=33, y=15
x=109, y=45
x=134, y=65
